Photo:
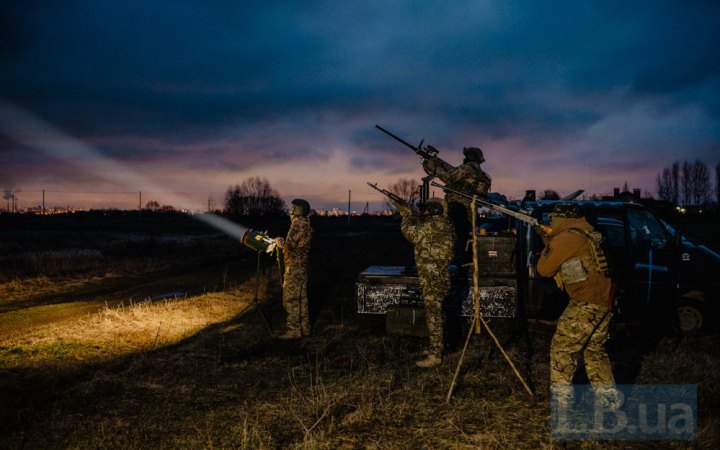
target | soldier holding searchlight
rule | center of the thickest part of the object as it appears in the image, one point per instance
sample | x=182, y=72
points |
x=296, y=254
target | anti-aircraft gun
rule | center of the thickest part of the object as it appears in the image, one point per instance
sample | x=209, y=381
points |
x=427, y=153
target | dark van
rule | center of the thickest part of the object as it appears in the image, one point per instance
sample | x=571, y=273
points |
x=660, y=275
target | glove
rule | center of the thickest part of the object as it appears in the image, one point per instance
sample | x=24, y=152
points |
x=542, y=230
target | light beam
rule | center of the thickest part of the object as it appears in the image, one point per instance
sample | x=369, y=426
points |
x=28, y=129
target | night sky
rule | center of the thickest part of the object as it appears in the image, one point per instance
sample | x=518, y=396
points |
x=184, y=98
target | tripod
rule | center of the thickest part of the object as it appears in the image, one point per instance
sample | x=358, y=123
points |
x=256, y=302
x=479, y=322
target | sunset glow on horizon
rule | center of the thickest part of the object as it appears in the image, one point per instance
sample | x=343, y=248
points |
x=176, y=102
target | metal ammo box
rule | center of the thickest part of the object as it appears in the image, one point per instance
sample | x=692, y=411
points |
x=395, y=290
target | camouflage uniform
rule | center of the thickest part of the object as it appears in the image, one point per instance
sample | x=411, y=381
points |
x=470, y=179
x=296, y=251
x=583, y=326
x=433, y=239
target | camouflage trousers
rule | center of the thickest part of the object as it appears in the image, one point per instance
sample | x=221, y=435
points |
x=582, y=327
x=295, y=300
x=435, y=282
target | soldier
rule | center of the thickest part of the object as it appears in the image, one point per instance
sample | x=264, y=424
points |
x=572, y=255
x=433, y=238
x=296, y=251
x=468, y=178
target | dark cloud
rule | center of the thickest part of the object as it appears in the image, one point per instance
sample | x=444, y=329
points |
x=239, y=84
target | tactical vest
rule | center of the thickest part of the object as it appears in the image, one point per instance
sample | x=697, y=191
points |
x=576, y=269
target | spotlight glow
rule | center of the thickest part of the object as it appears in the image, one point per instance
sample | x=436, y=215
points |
x=28, y=129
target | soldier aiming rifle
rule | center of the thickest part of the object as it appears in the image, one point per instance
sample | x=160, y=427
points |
x=433, y=239
x=468, y=178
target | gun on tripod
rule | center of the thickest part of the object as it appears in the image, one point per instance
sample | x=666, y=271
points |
x=403, y=206
x=519, y=214
x=427, y=154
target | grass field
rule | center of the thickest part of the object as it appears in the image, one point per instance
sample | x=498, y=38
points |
x=91, y=360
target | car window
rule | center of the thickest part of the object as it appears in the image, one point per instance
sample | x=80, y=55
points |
x=645, y=230
x=613, y=229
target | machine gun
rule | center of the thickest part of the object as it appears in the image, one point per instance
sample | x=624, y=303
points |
x=506, y=209
x=402, y=206
x=427, y=153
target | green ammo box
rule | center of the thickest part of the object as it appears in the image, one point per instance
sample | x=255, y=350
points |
x=406, y=320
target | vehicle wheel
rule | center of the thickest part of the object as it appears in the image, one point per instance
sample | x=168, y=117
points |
x=689, y=317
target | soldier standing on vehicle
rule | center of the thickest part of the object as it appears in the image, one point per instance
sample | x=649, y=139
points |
x=468, y=178
x=572, y=255
x=433, y=238
x=296, y=255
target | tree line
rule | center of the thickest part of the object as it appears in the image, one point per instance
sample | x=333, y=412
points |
x=688, y=183
x=682, y=183
x=253, y=197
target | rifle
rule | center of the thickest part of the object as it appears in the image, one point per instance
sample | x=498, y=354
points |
x=519, y=214
x=402, y=205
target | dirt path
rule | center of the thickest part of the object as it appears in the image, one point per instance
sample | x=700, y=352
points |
x=93, y=296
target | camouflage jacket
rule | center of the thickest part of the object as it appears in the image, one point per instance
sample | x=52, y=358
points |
x=433, y=238
x=296, y=248
x=468, y=177
x=563, y=245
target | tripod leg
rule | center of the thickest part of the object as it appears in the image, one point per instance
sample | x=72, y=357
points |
x=263, y=317
x=256, y=302
x=462, y=357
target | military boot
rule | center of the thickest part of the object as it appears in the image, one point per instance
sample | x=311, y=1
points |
x=429, y=361
x=290, y=334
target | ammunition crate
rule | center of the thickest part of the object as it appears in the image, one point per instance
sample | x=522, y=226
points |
x=380, y=287
x=406, y=321
x=497, y=255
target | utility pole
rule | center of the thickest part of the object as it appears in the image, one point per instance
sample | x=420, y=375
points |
x=43, y=202
x=349, y=191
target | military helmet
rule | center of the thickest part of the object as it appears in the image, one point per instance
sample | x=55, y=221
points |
x=435, y=206
x=300, y=207
x=473, y=154
x=567, y=210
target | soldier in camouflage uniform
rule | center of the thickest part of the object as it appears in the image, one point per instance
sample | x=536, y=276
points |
x=468, y=178
x=433, y=238
x=570, y=255
x=296, y=253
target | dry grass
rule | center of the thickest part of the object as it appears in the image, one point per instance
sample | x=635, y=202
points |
x=195, y=373
x=117, y=331
x=231, y=386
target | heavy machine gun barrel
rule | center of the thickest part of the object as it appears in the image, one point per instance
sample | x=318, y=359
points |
x=519, y=214
x=428, y=152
